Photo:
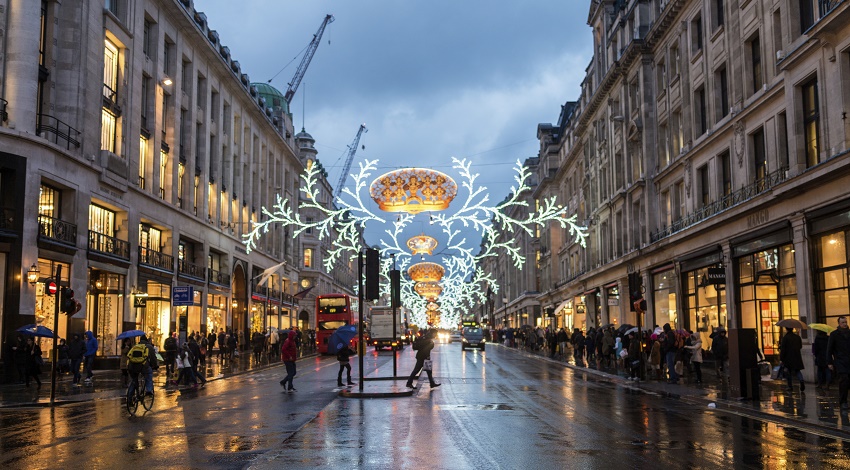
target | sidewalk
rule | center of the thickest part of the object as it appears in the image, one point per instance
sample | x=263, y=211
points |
x=110, y=384
x=814, y=409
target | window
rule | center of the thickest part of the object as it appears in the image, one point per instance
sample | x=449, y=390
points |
x=49, y=202
x=667, y=208
x=308, y=257
x=185, y=75
x=181, y=172
x=677, y=132
x=663, y=146
x=149, y=238
x=108, y=130
x=146, y=38
x=101, y=220
x=699, y=111
x=718, y=15
x=680, y=200
x=807, y=15
x=811, y=115
x=110, y=70
x=725, y=170
x=782, y=139
x=197, y=194
x=163, y=164
x=112, y=7
x=696, y=34
x=704, y=189
x=759, y=156
x=755, y=64
x=722, y=96
x=674, y=61
x=146, y=96
x=167, y=52
x=661, y=76
x=831, y=287
x=143, y=160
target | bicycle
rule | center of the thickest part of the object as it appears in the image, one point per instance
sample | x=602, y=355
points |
x=136, y=395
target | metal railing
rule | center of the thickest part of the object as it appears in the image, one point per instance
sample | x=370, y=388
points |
x=109, y=94
x=219, y=277
x=48, y=126
x=827, y=6
x=105, y=244
x=155, y=259
x=57, y=230
x=744, y=194
x=192, y=270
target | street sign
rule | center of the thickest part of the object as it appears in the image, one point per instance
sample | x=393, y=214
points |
x=51, y=288
x=140, y=302
x=182, y=296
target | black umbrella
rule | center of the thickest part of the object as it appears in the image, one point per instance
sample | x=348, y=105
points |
x=625, y=327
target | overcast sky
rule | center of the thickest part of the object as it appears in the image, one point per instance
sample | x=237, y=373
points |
x=430, y=79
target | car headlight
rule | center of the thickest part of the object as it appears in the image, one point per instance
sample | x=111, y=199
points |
x=464, y=340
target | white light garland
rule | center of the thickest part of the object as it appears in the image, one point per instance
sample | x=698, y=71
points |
x=464, y=284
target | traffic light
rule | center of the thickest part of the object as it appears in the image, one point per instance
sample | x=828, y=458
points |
x=69, y=304
x=372, y=290
x=395, y=287
x=636, y=291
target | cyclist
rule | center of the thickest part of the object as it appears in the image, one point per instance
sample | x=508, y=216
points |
x=147, y=366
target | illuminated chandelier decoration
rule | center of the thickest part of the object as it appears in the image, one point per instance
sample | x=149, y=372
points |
x=428, y=290
x=422, y=244
x=413, y=190
x=462, y=280
x=426, y=271
x=431, y=306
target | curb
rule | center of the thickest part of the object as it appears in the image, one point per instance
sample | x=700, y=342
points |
x=724, y=405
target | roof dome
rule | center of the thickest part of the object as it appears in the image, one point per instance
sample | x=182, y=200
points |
x=273, y=96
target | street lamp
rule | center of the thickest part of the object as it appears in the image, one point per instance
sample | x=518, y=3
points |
x=32, y=274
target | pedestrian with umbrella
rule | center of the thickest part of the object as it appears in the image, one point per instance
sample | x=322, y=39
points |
x=791, y=357
x=838, y=351
x=423, y=347
x=288, y=354
x=34, y=361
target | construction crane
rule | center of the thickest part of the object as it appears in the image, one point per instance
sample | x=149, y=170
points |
x=352, y=149
x=305, y=61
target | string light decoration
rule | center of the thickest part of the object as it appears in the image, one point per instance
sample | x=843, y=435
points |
x=432, y=306
x=413, y=190
x=463, y=282
x=426, y=272
x=422, y=244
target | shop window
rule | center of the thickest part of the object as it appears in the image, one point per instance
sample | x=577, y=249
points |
x=768, y=293
x=831, y=279
x=664, y=298
x=706, y=304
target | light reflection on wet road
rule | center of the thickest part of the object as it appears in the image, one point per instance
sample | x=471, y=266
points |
x=496, y=410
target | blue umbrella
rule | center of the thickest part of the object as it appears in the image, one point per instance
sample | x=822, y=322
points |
x=341, y=337
x=37, y=330
x=131, y=334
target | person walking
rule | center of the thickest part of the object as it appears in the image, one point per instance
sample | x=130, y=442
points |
x=696, y=355
x=222, y=345
x=819, y=350
x=720, y=349
x=578, y=341
x=791, y=357
x=88, y=358
x=196, y=354
x=669, y=350
x=122, y=360
x=20, y=358
x=633, y=358
x=655, y=356
x=343, y=356
x=34, y=361
x=76, y=352
x=838, y=355
x=204, y=344
x=562, y=343
x=423, y=353
x=288, y=354
x=274, y=344
x=64, y=364
x=170, y=346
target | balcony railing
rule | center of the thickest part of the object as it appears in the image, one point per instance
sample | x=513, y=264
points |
x=57, y=230
x=827, y=6
x=155, y=259
x=218, y=277
x=105, y=244
x=744, y=194
x=7, y=221
x=186, y=268
x=55, y=131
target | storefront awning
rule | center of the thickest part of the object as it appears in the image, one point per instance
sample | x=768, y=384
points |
x=561, y=306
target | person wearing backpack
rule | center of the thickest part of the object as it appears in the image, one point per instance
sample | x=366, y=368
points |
x=141, y=359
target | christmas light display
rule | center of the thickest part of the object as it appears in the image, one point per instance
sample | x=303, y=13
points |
x=463, y=283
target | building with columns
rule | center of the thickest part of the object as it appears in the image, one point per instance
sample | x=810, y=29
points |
x=134, y=155
x=708, y=135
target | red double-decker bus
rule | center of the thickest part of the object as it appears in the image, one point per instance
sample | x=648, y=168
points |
x=332, y=311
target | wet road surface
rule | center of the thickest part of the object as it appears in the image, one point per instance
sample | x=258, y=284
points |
x=498, y=409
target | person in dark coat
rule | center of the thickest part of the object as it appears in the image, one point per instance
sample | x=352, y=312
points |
x=64, y=364
x=578, y=341
x=76, y=351
x=423, y=352
x=20, y=359
x=791, y=356
x=838, y=353
x=819, y=348
x=34, y=360
x=344, y=359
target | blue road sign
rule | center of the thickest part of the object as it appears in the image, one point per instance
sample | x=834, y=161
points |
x=182, y=296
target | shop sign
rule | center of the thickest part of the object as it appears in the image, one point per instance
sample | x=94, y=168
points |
x=717, y=275
x=613, y=302
x=140, y=302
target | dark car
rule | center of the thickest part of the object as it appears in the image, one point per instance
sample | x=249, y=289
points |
x=472, y=337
